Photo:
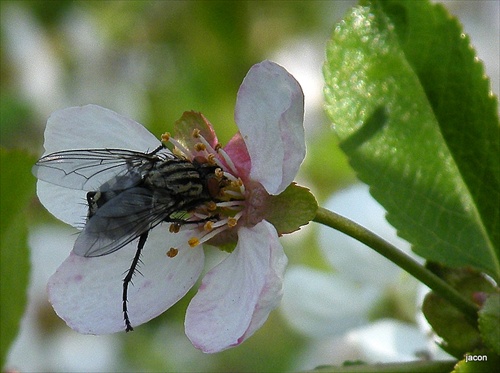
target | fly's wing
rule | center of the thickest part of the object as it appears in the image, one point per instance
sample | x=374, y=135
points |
x=121, y=220
x=92, y=169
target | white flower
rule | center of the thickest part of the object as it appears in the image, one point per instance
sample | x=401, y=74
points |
x=236, y=296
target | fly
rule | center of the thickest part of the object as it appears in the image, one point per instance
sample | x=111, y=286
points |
x=128, y=194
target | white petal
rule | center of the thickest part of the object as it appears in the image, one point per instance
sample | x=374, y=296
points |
x=83, y=127
x=270, y=114
x=68, y=205
x=236, y=297
x=87, y=292
x=350, y=257
x=319, y=304
x=92, y=126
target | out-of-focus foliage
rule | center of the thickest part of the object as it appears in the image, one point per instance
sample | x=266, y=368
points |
x=17, y=189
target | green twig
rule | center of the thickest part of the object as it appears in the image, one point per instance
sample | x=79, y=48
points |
x=399, y=258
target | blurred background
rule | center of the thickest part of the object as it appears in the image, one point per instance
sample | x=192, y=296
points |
x=151, y=61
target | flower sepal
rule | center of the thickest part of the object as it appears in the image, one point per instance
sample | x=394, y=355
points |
x=291, y=209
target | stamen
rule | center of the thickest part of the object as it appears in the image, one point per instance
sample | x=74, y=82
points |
x=206, y=143
x=212, y=160
x=232, y=193
x=211, y=234
x=209, y=225
x=174, y=228
x=180, y=147
x=200, y=147
x=237, y=183
x=193, y=241
x=196, y=133
x=172, y=252
x=165, y=137
x=211, y=206
x=231, y=222
x=228, y=160
x=230, y=204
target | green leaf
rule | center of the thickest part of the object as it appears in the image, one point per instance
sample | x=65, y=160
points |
x=17, y=187
x=489, y=322
x=413, y=110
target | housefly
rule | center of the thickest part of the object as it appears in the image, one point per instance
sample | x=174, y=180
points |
x=128, y=194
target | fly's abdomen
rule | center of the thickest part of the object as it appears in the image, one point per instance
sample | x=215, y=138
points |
x=177, y=176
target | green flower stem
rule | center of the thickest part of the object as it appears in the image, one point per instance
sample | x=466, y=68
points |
x=344, y=225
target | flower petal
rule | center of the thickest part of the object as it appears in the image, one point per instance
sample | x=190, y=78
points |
x=270, y=114
x=68, y=205
x=92, y=126
x=236, y=149
x=87, y=292
x=236, y=297
x=86, y=127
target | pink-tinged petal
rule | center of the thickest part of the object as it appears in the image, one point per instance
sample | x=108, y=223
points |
x=236, y=149
x=236, y=296
x=270, y=114
x=87, y=292
x=92, y=126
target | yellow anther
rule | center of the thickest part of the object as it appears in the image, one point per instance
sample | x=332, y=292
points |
x=211, y=206
x=196, y=133
x=193, y=242
x=209, y=225
x=217, y=147
x=165, y=137
x=231, y=222
x=211, y=159
x=174, y=228
x=199, y=147
x=172, y=252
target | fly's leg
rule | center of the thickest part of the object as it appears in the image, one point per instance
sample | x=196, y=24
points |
x=128, y=279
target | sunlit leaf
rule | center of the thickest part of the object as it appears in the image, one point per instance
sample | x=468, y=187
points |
x=410, y=104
